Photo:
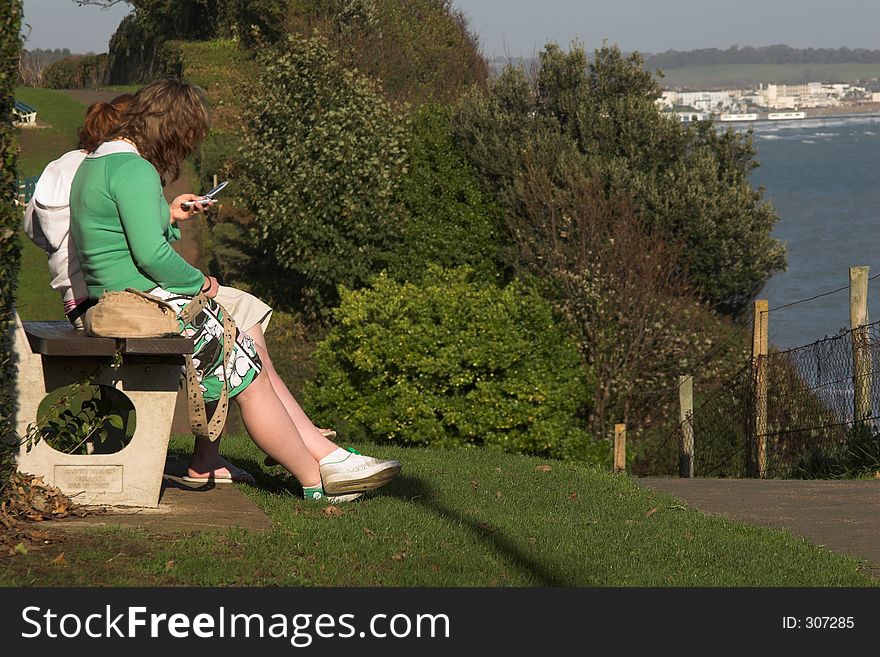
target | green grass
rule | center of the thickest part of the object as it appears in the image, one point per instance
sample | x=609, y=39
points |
x=39, y=146
x=35, y=300
x=467, y=517
x=750, y=74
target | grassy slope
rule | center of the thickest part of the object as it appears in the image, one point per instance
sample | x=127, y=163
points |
x=39, y=146
x=453, y=518
x=747, y=74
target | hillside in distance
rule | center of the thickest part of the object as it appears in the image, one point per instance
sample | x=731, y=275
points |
x=709, y=68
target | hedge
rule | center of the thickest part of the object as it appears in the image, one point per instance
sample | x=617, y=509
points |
x=10, y=46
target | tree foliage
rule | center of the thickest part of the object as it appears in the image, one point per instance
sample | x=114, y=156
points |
x=320, y=167
x=447, y=220
x=452, y=361
x=616, y=283
x=419, y=50
x=690, y=185
x=136, y=46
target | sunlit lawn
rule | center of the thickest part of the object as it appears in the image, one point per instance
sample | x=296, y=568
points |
x=466, y=517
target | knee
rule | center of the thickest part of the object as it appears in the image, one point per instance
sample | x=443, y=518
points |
x=256, y=388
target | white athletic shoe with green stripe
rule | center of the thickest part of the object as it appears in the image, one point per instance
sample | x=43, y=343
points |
x=356, y=473
x=319, y=495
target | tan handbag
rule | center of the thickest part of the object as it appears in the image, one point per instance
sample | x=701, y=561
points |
x=136, y=314
x=131, y=314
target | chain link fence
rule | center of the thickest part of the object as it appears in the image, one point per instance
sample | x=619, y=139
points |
x=822, y=416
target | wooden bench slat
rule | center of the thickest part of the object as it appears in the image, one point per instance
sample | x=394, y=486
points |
x=59, y=338
x=157, y=346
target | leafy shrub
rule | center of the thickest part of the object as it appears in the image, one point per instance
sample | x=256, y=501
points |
x=450, y=362
x=10, y=217
x=319, y=169
x=449, y=221
x=77, y=72
x=228, y=74
x=421, y=50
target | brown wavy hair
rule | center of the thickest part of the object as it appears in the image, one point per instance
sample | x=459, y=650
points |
x=100, y=120
x=167, y=120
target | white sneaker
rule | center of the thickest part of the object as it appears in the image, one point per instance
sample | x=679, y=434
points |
x=356, y=473
x=336, y=499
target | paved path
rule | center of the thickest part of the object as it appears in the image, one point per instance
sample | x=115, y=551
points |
x=183, y=507
x=843, y=516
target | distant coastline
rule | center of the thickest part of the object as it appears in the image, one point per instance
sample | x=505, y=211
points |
x=865, y=110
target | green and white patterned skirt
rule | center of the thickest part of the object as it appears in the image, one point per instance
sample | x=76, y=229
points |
x=206, y=331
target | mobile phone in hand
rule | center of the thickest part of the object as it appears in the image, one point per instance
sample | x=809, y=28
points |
x=208, y=197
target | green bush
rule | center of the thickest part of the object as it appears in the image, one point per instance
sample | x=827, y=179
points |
x=77, y=72
x=449, y=221
x=452, y=361
x=10, y=217
x=319, y=169
x=228, y=74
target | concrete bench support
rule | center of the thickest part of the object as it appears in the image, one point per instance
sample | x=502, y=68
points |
x=50, y=355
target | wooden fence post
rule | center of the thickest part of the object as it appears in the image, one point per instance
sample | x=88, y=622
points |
x=619, y=447
x=757, y=466
x=686, y=419
x=858, y=320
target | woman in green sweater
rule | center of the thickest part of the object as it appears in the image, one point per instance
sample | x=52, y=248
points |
x=121, y=226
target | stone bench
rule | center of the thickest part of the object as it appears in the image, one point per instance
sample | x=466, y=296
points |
x=51, y=355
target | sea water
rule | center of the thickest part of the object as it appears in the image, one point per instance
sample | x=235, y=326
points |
x=823, y=177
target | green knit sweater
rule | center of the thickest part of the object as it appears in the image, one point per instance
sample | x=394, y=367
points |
x=120, y=223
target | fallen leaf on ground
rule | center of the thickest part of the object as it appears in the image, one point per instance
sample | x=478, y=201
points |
x=498, y=494
x=400, y=556
x=543, y=468
x=369, y=532
x=169, y=565
x=474, y=484
x=332, y=511
x=59, y=560
x=573, y=496
x=651, y=512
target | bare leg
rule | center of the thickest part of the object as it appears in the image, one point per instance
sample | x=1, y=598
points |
x=318, y=445
x=274, y=432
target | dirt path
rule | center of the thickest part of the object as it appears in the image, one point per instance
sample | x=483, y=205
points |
x=839, y=515
x=190, y=231
x=89, y=96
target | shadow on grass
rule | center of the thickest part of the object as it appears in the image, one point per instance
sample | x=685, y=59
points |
x=273, y=482
x=417, y=491
x=413, y=491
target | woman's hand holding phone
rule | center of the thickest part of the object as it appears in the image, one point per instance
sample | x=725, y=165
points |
x=186, y=205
